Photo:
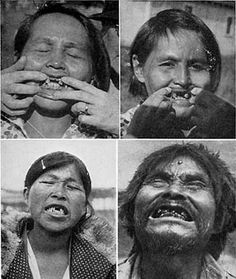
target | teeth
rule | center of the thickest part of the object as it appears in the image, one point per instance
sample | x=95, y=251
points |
x=56, y=211
x=170, y=213
x=54, y=84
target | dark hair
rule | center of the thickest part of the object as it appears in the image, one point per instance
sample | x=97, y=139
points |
x=100, y=59
x=157, y=27
x=57, y=160
x=221, y=179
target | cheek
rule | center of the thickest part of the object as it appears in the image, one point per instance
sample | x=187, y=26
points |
x=201, y=80
x=33, y=63
x=155, y=79
x=81, y=70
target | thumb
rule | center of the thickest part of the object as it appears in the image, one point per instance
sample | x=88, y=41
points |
x=19, y=65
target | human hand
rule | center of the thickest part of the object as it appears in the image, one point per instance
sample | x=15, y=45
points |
x=94, y=106
x=16, y=95
x=213, y=117
x=155, y=118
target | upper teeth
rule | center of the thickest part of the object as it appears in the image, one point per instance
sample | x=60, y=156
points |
x=56, y=210
x=166, y=212
x=54, y=84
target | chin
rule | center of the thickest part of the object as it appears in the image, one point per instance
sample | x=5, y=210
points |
x=170, y=239
x=50, y=105
x=183, y=112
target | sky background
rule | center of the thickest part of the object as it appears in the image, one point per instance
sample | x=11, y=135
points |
x=18, y=155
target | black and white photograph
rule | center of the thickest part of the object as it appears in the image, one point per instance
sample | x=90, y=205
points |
x=60, y=62
x=118, y=139
x=177, y=69
x=177, y=209
x=58, y=209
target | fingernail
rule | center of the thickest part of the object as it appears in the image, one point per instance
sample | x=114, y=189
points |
x=196, y=91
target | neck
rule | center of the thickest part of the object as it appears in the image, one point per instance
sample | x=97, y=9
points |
x=183, y=266
x=46, y=242
x=41, y=126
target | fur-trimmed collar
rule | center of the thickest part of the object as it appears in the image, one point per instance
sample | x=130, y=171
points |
x=96, y=231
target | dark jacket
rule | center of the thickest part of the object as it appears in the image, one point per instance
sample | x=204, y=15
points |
x=92, y=252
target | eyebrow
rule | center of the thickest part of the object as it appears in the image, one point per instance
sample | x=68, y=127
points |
x=49, y=41
x=193, y=177
x=161, y=175
x=53, y=176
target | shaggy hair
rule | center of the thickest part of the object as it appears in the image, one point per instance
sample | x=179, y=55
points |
x=101, y=62
x=157, y=27
x=220, y=177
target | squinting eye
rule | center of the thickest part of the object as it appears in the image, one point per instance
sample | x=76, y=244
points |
x=196, y=185
x=73, y=187
x=198, y=67
x=167, y=64
x=47, y=182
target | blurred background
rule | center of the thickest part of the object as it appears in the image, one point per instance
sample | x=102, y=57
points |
x=130, y=155
x=219, y=16
x=99, y=157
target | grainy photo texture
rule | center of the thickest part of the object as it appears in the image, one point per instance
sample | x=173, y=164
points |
x=60, y=75
x=58, y=210
x=177, y=210
x=177, y=68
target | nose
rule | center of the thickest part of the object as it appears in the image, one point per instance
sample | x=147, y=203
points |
x=174, y=192
x=182, y=76
x=59, y=192
x=56, y=60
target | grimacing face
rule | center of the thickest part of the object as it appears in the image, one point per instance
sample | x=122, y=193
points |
x=175, y=208
x=57, y=200
x=179, y=62
x=58, y=46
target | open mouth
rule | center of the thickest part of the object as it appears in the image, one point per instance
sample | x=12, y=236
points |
x=172, y=211
x=179, y=94
x=56, y=210
x=54, y=84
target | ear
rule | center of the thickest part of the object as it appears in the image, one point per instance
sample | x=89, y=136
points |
x=26, y=194
x=138, y=69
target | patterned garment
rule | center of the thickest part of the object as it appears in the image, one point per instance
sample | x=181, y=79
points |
x=14, y=129
x=85, y=263
x=129, y=269
x=126, y=119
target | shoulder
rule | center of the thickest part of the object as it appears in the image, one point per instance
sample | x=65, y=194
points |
x=11, y=129
x=10, y=238
x=101, y=235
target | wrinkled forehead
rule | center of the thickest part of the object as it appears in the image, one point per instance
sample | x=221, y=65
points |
x=178, y=164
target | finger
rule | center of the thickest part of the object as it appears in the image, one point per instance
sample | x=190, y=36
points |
x=157, y=97
x=83, y=85
x=20, y=76
x=88, y=119
x=23, y=89
x=12, y=103
x=79, y=95
x=81, y=107
x=19, y=65
x=13, y=112
x=196, y=91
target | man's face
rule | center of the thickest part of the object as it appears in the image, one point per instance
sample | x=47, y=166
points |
x=58, y=46
x=175, y=208
x=57, y=200
x=179, y=62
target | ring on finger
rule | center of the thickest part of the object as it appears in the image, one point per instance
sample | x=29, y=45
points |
x=86, y=109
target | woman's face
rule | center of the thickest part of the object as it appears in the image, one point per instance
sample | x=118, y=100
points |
x=58, y=46
x=179, y=62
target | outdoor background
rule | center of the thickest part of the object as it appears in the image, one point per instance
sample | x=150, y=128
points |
x=131, y=154
x=219, y=16
x=99, y=156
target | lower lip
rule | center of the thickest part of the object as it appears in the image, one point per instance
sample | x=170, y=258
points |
x=168, y=219
x=55, y=216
